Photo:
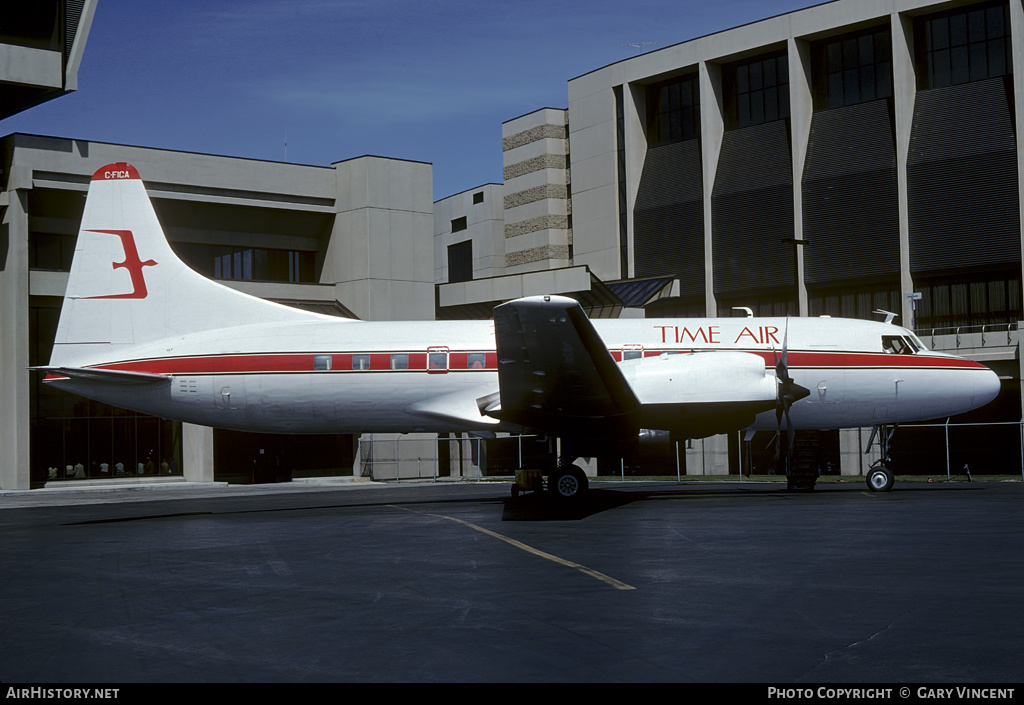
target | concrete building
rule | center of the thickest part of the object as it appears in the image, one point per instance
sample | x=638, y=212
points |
x=469, y=235
x=41, y=48
x=352, y=239
x=538, y=211
x=854, y=156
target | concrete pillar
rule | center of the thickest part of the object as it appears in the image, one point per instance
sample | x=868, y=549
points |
x=801, y=109
x=14, y=342
x=712, y=130
x=708, y=456
x=1017, y=57
x=381, y=253
x=197, y=452
x=904, y=94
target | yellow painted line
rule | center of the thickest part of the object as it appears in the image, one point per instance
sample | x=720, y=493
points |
x=618, y=585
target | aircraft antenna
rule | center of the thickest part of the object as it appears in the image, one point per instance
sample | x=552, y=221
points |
x=889, y=315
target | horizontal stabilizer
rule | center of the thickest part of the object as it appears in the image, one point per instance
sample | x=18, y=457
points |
x=95, y=374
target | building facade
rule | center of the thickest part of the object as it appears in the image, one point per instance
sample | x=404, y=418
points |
x=41, y=48
x=847, y=158
x=853, y=157
x=881, y=133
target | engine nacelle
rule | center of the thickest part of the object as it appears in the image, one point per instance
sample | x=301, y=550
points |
x=694, y=395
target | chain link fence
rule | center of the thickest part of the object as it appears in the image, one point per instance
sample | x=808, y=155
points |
x=420, y=456
x=955, y=450
x=959, y=449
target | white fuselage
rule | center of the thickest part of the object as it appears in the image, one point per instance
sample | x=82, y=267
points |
x=324, y=377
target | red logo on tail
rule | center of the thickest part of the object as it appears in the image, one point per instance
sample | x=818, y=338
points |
x=132, y=263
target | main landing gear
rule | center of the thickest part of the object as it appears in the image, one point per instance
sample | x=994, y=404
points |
x=568, y=482
x=880, y=478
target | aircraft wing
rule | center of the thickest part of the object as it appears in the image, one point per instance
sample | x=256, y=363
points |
x=554, y=371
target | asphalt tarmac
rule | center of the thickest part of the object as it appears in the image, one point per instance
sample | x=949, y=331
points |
x=646, y=582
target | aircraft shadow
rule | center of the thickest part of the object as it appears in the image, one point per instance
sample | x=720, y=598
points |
x=541, y=506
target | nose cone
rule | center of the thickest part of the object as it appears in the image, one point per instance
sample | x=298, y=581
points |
x=986, y=387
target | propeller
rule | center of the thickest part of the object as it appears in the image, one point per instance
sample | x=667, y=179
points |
x=789, y=392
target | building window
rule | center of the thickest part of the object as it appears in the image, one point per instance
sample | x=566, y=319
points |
x=249, y=263
x=620, y=150
x=856, y=301
x=852, y=69
x=990, y=299
x=673, y=111
x=459, y=224
x=51, y=252
x=965, y=45
x=478, y=197
x=756, y=91
x=460, y=262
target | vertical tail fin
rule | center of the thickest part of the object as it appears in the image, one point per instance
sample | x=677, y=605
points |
x=127, y=286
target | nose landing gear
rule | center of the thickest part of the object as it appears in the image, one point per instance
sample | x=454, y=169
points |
x=880, y=478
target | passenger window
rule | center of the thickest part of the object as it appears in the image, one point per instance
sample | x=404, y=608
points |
x=321, y=362
x=437, y=360
x=360, y=362
x=400, y=361
x=476, y=361
x=632, y=352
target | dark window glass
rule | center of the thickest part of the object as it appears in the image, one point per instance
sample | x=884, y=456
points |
x=757, y=91
x=673, y=112
x=49, y=251
x=852, y=69
x=460, y=262
x=964, y=45
x=248, y=263
x=459, y=224
x=992, y=298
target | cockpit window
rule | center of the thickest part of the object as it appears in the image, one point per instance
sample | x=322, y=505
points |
x=898, y=345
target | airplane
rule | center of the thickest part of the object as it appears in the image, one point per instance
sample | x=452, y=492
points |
x=141, y=330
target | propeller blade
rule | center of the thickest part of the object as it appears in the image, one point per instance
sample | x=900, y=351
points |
x=789, y=392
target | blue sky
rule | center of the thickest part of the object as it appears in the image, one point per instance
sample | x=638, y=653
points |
x=427, y=80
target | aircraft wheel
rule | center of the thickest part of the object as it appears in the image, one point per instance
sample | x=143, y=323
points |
x=568, y=483
x=880, y=479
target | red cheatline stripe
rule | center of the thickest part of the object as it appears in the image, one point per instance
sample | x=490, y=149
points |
x=417, y=361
